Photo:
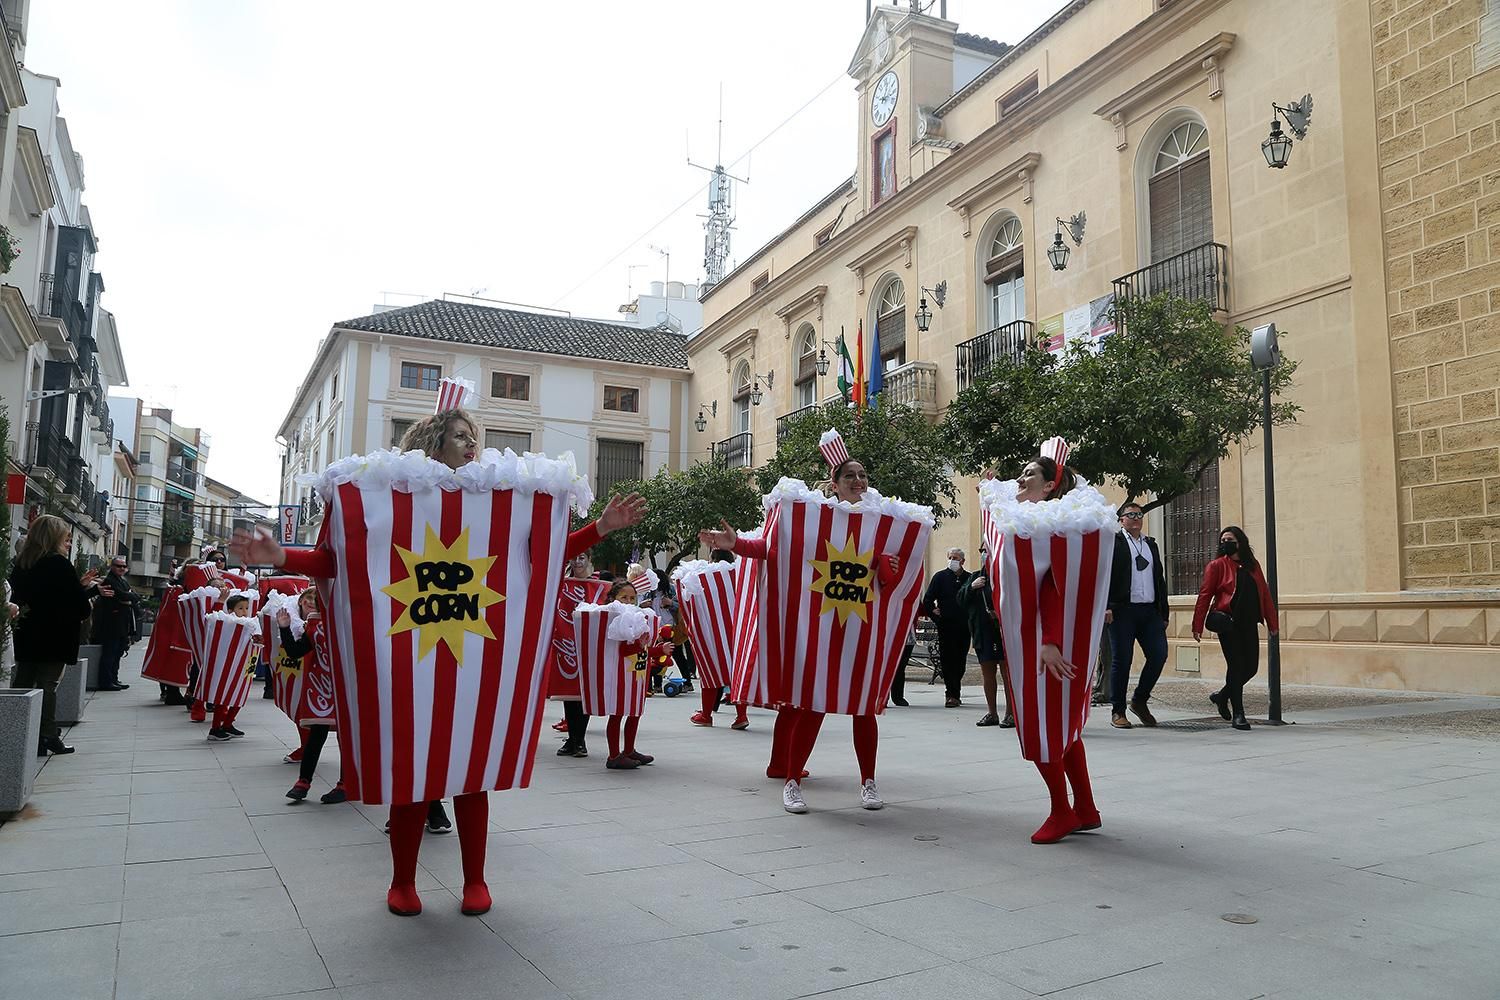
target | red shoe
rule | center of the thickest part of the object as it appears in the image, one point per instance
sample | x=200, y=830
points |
x=295, y=757
x=196, y=713
x=740, y=723
x=561, y=725
x=1058, y=826
x=782, y=777
x=476, y=900
x=1088, y=819
x=403, y=901
x=701, y=718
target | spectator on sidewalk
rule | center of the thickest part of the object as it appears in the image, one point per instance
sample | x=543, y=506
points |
x=941, y=605
x=1137, y=613
x=114, y=623
x=1232, y=602
x=984, y=625
x=53, y=604
x=898, y=683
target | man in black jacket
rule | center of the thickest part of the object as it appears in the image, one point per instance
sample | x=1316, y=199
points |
x=114, y=624
x=1137, y=613
x=941, y=605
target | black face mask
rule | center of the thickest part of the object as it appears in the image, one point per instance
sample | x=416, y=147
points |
x=1228, y=548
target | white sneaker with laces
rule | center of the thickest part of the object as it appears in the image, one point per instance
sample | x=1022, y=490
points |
x=791, y=798
x=869, y=796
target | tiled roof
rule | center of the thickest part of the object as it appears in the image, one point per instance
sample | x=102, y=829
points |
x=979, y=43
x=518, y=330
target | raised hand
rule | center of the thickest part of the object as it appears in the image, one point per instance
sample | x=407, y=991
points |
x=622, y=512
x=90, y=578
x=283, y=619
x=1054, y=664
x=257, y=547
x=721, y=538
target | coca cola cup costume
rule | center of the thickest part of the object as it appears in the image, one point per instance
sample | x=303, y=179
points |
x=837, y=592
x=439, y=588
x=1049, y=567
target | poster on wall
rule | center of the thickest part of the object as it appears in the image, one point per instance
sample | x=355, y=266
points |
x=1076, y=326
x=1101, y=318
x=1049, y=333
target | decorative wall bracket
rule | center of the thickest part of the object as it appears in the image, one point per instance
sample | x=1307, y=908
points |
x=1018, y=174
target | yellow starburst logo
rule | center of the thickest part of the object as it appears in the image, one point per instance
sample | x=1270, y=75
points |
x=289, y=668
x=444, y=594
x=845, y=579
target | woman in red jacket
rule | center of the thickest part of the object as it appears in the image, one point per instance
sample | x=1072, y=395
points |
x=450, y=437
x=1233, y=600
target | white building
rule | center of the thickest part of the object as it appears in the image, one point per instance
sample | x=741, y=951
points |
x=615, y=396
x=669, y=304
x=59, y=348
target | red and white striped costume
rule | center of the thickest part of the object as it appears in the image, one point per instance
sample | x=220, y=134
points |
x=226, y=659
x=266, y=586
x=706, y=602
x=440, y=611
x=167, y=654
x=562, y=657
x=750, y=683
x=833, y=621
x=616, y=643
x=1049, y=566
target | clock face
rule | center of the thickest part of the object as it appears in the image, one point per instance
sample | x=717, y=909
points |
x=883, y=103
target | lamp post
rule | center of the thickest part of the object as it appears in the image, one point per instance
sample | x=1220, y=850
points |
x=1058, y=252
x=1266, y=355
x=1277, y=148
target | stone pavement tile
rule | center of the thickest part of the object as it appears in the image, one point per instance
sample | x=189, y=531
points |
x=53, y=779
x=838, y=897
x=194, y=758
x=175, y=781
x=823, y=952
x=653, y=887
x=561, y=925
x=256, y=899
x=167, y=877
x=826, y=873
x=86, y=847
x=222, y=834
x=76, y=964
x=303, y=826
x=29, y=910
x=36, y=819
x=697, y=914
x=614, y=853
x=512, y=869
x=194, y=803
x=950, y=982
x=225, y=959
x=368, y=944
x=677, y=969
x=957, y=927
x=52, y=802
x=514, y=982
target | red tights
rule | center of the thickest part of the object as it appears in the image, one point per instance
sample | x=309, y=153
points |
x=472, y=816
x=1064, y=818
x=797, y=731
x=224, y=716
x=711, y=698
x=612, y=731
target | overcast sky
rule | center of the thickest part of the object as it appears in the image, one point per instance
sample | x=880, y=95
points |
x=260, y=170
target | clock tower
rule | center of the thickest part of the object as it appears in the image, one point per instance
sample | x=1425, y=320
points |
x=902, y=67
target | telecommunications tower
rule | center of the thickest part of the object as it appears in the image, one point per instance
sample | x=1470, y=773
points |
x=719, y=222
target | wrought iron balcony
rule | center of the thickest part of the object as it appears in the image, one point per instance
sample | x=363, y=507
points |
x=784, y=422
x=914, y=384
x=734, y=451
x=184, y=477
x=979, y=354
x=53, y=453
x=1200, y=275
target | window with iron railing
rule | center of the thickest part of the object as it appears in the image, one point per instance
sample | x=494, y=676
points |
x=618, y=462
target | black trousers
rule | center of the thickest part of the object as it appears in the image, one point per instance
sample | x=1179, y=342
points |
x=1241, y=646
x=898, y=685
x=953, y=654
x=113, y=649
x=312, y=749
x=578, y=723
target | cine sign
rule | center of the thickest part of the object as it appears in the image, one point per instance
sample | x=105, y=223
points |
x=290, y=514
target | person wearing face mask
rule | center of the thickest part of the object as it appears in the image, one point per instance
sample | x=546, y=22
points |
x=941, y=604
x=977, y=599
x=1232, y=602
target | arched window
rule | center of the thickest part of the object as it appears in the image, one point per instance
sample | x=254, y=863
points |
x=805, y=392
x=1181, y=192
x=740, y=405
x=1005, y=275
x=890, y=318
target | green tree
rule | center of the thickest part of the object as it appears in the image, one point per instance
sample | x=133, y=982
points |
x=682, y=503
x=1151, y=409
x=904, y=453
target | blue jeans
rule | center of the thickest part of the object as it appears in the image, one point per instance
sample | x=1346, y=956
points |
x=1136, y=623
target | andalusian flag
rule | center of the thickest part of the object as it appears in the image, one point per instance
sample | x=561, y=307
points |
x=847, y=381
x=861, y=389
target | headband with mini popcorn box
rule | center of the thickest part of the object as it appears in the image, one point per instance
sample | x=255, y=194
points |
x=454, y=393
x=831, y=444
x=1056, y=449
x=645, y=582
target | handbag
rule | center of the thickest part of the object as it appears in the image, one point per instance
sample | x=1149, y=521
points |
x=1218, y=622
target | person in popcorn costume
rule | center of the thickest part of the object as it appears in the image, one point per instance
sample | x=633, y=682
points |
x=1050, y=535
x=450, y=436
x=796, y=729
x=650, y=656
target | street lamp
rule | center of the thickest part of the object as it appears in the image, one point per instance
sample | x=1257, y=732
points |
x=822, y=363
x=1058, y=252
x=939, y=296
x=702, y=422
x=1265, y=354
x=1277, y=148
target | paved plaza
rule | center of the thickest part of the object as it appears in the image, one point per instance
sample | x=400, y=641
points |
x=1357, y=853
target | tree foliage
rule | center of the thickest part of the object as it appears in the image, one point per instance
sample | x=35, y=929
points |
x=1151, y=409
x=903, y=452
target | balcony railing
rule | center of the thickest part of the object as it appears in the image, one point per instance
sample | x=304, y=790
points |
x=53, y=453
x=914, y=384
x=980, y=354
x=734, y=451
x=784, y=422
x=146, y=514
x=1200, y=275
x=98, y=509
x=186, y=478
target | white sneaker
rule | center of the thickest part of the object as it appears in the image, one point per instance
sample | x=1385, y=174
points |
x=869, y=796
x=791, y=798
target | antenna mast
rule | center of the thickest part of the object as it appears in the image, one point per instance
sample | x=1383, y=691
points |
x=719, y=222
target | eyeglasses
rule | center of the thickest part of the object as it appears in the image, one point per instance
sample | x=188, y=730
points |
x=1132, y=515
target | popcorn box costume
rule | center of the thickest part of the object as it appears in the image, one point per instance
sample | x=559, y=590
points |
x=562, y=669
x=226, y=660
x=614, y=654
x=706, y=605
